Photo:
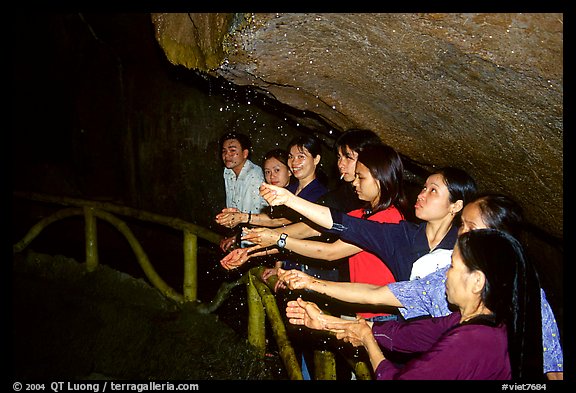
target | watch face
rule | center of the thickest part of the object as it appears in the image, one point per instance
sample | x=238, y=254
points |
x=282, y=241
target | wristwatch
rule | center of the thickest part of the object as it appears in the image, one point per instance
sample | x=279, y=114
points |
x=282, y=241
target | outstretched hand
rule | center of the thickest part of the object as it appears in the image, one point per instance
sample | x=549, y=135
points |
x=356, y=332
x=229, y=217
x=274, y=195
x=269, y=272
x=295, y=279
x=302, y=312
x=227, y=243
x=235, y=258
x=262, y=236
x=240, y=256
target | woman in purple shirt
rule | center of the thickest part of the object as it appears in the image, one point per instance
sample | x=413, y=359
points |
x=489, y=337
x=427, y=296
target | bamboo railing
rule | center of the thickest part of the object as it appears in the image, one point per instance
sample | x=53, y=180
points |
x=261, y=300
x=93, y=209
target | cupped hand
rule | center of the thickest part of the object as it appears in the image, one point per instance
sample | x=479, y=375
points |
x=229, y=217
x=235, y=258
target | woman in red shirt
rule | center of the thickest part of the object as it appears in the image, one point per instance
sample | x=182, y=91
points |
x=378, y=182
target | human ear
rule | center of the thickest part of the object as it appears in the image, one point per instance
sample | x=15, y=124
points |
x=457, y=206
x=317, y=159
x=478, y=281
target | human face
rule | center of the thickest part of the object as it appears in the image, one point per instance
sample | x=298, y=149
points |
x=233, y=156
x=471, y=218
x=367, y=188
x=347, y=163
x=276, y=173
x=433, y=202
x=302, y=163
x=460, y=282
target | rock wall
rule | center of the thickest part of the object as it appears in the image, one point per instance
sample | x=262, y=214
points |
x=479, y=91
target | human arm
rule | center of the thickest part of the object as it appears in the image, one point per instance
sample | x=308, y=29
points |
x=302, y=312
x=422, y=296
x=309, y=248
x=443, y=350
x=276, y=196
x=357, y=332
x=361, y=293
x=238, y=257
x=553, y=355
x=382, y=239
x=296, y=230
x=427, y=296
x=555, y=375
x=231, y=217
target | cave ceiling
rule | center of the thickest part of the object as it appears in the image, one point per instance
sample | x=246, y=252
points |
x=480, y=91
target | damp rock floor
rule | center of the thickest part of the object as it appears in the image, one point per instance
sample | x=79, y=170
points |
x=73, y=325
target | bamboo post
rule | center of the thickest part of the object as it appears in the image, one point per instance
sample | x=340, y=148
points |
x=325, y=365
x=91, y=239
x=362, y=371
x=190, y=286
x=286, y=350
x=256, y=317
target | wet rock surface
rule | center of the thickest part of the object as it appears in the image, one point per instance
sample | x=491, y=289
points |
x=68, y=323
x=480, y=91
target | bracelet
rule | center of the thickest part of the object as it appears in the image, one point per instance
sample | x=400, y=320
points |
x=249, y=217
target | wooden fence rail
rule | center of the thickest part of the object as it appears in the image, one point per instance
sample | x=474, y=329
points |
x=261, y=300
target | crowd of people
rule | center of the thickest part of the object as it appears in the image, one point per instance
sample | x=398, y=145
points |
x=450, y=295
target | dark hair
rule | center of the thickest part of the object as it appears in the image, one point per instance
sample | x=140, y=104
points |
x=282, y=156
x=314, y=147
x=386, y=167
x=279, y=154
x=244, y=140
x=312, y=144
x=356, y=139
x=501, y=212
x=461, y=186
x=511, y=292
